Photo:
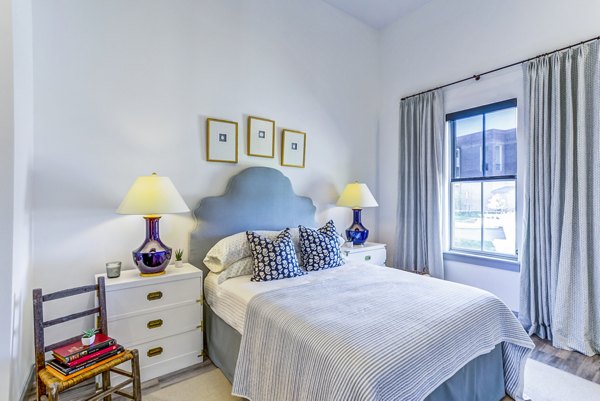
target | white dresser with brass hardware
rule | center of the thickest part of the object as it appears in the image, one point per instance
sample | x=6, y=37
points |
x=161, y=316
x=369, y=252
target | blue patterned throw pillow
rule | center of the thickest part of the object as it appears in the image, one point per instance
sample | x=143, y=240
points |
x=320, y=248
x=273, y=259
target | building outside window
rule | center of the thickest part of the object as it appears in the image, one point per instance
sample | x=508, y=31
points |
x=483, y=179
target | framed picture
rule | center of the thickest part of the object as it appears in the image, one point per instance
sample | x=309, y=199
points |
x=261, y=137
x=293, y=148
x=221, y=141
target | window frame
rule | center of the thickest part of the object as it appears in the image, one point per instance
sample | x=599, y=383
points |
x=451, y=120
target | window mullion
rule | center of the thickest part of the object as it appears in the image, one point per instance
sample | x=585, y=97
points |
x=482, y=218
x=483, y=151
x=487, y=179
x=484, y=174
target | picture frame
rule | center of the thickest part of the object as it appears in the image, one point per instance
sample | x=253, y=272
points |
x=293, y=148
x=221, y=140
x=261, y=137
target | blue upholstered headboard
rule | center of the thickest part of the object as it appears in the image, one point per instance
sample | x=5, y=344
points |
x=258, y=198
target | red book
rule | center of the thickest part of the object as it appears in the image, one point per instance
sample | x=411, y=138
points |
x=75, y=350
x=93, y=355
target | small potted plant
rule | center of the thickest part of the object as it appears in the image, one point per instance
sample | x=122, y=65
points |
x=88, y=336
x=178, y=256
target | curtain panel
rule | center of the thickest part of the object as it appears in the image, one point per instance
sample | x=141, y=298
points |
x=560, y=261
x=420, y=184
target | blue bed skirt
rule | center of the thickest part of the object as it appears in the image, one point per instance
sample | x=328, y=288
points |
x=482, y=379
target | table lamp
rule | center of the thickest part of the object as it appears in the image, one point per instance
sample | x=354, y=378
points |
x=151, y=196
x=357, y=196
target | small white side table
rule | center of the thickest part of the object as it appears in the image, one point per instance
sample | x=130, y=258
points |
x=161, y=316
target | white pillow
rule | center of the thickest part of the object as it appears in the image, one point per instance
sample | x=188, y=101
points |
x=242, y=267
x=236, y=247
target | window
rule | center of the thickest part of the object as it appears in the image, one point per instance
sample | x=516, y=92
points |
x=483, y=179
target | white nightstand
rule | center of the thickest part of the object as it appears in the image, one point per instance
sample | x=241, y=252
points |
x=369, y=252
x=161, y=316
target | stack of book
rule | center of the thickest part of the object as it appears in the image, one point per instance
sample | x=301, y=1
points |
x=76, y=358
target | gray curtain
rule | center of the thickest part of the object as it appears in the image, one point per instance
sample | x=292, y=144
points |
x=560, y=261
x=420, y=185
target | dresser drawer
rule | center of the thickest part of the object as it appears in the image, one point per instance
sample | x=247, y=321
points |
x=156, y=324
x=161, y=351
x=141, y=299
x=375, y=256
x=162, y=368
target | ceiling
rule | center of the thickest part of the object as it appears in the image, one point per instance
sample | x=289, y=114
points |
x=377, y=13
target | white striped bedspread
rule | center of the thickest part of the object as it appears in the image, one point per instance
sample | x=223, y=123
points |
x=372, y=333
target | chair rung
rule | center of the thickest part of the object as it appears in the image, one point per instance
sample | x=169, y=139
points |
x=71, y=317
x=123, y=394
x=111, y=390
x=121, y=372
x=67, y=293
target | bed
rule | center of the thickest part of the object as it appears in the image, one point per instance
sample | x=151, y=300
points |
x=242, y=319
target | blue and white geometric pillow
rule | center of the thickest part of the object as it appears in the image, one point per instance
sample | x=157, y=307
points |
x=273, y=259
x=320, y=248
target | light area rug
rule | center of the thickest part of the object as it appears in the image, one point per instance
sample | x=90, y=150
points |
x=210, y=385
x=545, y=383
x=542, y=383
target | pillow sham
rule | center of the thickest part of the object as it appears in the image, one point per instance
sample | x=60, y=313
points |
x=242, y=267
x=236, y=247
x=320, y=248
x=273, y=259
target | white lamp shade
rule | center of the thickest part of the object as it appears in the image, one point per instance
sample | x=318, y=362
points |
x=357, y=196
x=152, y=195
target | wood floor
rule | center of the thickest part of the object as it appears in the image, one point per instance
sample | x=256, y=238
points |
x=572, y=362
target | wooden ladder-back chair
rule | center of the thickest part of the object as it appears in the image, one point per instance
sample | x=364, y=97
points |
x=50, y=385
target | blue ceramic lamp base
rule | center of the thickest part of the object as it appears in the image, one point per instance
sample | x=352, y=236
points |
x=152, y=257
x=357, y=233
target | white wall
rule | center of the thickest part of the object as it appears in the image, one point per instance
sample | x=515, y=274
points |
x=123, y=89
x=6, y=193
x=444, y=41
x=22, y=324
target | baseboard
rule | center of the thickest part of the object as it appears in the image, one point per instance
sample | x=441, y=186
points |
x=28, y=384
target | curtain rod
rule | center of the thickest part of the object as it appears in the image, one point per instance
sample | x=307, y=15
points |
x=477, y=77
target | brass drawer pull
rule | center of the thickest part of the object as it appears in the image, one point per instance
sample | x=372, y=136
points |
x=154, y=352
x=153, y=296
x=368, y=257
x=153, y=324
